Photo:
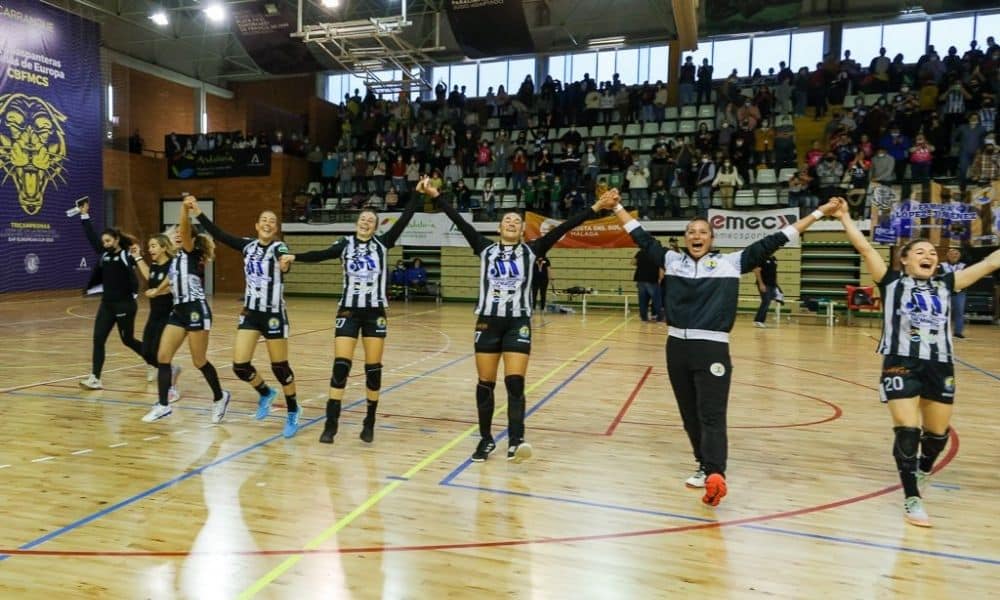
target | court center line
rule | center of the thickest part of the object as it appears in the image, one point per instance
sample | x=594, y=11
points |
x=174, y=481
x=347, y=519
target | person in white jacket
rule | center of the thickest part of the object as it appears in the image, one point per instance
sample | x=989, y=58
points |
x=638, y=188
x=727, y=179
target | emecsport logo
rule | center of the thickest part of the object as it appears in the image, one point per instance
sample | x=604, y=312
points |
x=770, y=222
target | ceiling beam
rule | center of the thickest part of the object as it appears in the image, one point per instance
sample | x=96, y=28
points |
x=686, y=20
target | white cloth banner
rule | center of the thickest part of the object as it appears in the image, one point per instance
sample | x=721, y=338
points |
x=426, y=229
x=738, y=228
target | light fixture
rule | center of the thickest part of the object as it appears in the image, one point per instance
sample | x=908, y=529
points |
x=330, y=3
x=215, y=12
x=111, y=102
x=160, y=18
x=605, y=42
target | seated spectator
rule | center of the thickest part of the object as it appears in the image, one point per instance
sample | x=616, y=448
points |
x=416, y=275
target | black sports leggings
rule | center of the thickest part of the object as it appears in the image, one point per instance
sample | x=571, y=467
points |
x=151, y=335
x=122, y=314
x=700, y=372
x=539, y=287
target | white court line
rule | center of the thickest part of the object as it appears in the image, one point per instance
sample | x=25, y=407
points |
x=4, y=466
x=16, y=323
x=151, y=438
x=118, y=445
x=79, y=452
x=181, y=432
x=43, y=459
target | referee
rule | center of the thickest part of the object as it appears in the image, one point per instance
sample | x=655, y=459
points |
x=702, y=292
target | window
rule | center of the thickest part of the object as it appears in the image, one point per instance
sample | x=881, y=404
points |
x=948, y=32
x=863, y=42
x=986, y=25
x=605, y=66
x=519, y=69
x=659, y=65
x=353, y=83
x=807, y=49
x=557, y=67
x=769, y=50
x=627, y=66
x=908, y=39
x=440, y=75
x=704, y=51
x=731, y=54
x=492, y=75
x=334, y=89
x=464, y=75
x=584, y=64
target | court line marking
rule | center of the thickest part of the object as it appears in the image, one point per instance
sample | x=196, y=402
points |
x=43, y=459
x=347, y=519
x=628, y=403
x=180, y=478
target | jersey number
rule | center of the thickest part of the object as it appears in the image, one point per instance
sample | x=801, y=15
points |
x=340, y=322
x=478, y=333
x=892, y=384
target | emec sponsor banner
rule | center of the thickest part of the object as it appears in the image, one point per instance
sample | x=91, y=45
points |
x=737, y=228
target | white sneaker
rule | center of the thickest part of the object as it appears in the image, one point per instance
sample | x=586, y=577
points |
x=173, y=395
x=175, y=373
x=697, y=480
x=151, y=373
x=92, y=383
x=157, y=412
x=914, y=513
x=219, y=407
x=923, y=480
x=760, y=325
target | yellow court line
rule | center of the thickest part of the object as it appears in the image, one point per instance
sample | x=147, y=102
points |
x=347, y=519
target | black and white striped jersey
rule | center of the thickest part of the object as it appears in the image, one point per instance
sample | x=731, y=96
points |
x=947, y=267
x=265, y=283
x=916, y=320
x=187, y=276
x=702, y=294
x=505, y=272
x=365, y=262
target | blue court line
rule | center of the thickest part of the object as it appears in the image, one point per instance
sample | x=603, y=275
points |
x=975, y=368
x=945, y=486
x=170, y=483
x=465, y=465
x=398, y=478
x=764, y=528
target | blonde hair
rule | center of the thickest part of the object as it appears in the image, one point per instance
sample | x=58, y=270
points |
x=166, y=243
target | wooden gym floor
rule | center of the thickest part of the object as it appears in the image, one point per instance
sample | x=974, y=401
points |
x=97, y=504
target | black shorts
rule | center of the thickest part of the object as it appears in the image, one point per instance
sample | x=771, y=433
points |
x=273, y=326
x=905, y=377
x=192, y=316
x=370, y=322
x=503, y=334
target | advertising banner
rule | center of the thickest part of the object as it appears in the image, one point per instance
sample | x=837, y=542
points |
x=945, y=217
x=50, y=145
x=490, y=27
x=737, y=228
x=606, y=232
x=264, y=28
x=221, y=162
x=426, y=229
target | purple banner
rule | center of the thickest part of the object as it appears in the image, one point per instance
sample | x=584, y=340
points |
x=490, y=27
x=50, y=144
x=264, y=29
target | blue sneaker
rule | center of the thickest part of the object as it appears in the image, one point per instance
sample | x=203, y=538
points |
x=264, y=403
x=291, y=424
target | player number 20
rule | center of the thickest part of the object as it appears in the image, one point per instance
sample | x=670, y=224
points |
x=892, y=384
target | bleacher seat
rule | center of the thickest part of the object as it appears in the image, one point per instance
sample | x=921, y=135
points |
x=487, y=135
x=507, y=201
x=633, y=130
x=598, y=131
x=849, y=100
x=314, y=187
x=689, y=112
x=499, y=183
x=747, y=91
x=706, y=111
x=787, y=173
x=480, y=184
x=669, y=127
x=562, y=131
x=646, y=144
x=767, y=197
x=872, y=99
x=716, y=200
x=744, y=198
x=709, y=124
x=493, y=123
x=615, y=129
x=766, y=176
x=671, y=113
x=650, y=128
x=687, y=127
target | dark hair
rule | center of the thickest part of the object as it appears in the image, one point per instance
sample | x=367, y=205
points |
x=125, y=240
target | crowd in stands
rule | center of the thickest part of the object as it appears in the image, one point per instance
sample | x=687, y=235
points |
x=730, y=142
x=193, y=144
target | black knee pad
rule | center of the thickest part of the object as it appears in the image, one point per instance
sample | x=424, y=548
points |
x=283, y=372
x=484, y=392
x=341, y=369
x=514, y=385
x=373, y=376
x=906, y=446
x=244, y=371
x=931, y=444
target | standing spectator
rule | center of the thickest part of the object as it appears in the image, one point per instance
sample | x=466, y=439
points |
x=986, y=166
x=704, y=82
x=647, y=282
x=921, y=157
x=638, y=185
x=764, y=144
x=883, y=169
x=727, y=180
x=897, y=145
x=968, y=138
x=954, y=265
x=686, y=81
x=857, y=178
x=704, y=179
x=829, y=172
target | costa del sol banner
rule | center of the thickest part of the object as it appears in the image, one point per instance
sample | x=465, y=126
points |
x=738, y=228
x=426, y=229
x=605, y=232
x=944, y=218
x=50, y=144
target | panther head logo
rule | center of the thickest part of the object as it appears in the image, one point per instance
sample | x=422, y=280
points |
x=32, y=147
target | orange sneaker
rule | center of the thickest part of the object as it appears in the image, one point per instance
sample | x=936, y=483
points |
x=715, y=489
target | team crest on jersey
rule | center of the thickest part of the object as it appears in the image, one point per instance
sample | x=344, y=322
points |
x=273, y=323
x=718, y=369
x=949, y=384
x=195, y=316
x=524, y=332
x=711, y=264
x=380, y=322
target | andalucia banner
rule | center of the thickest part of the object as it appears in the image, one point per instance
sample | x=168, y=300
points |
x=50, y=144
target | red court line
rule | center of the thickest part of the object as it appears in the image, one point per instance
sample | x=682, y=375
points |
x=945, y=461
x=628, y=403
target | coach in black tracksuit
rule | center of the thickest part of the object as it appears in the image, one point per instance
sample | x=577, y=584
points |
x=702, y=293
x=115, y=271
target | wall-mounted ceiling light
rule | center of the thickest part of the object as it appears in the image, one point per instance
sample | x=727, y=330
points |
x=160, y=18
x=215, y=12
x=330, y=3
x=607, y=42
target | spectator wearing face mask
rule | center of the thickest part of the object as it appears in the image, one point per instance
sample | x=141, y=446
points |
x=986, y=166
x=883, y=169
x=829, y=172
x=968, y=138
x=897, y=145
